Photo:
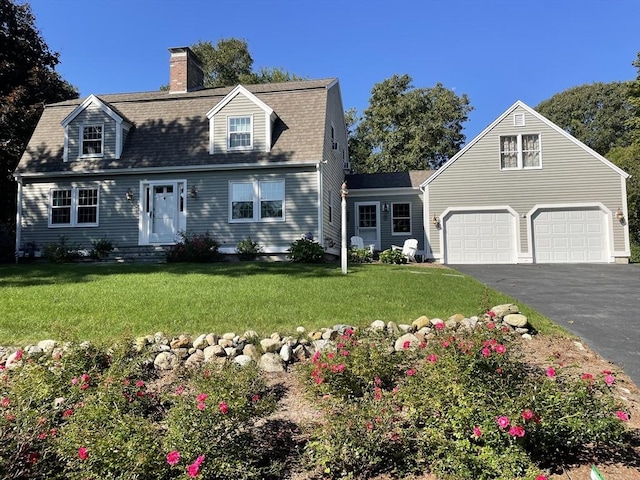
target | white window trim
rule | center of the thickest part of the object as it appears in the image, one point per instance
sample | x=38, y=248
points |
x=241, y=148
x=402, y=234
x=81, y=142
x=520, y=165
x=74, y=207
x=256, y=202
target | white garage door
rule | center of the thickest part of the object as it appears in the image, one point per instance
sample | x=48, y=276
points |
x=569, y=236
x=480, y=237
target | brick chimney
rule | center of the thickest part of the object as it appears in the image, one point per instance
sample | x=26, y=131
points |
x=185, y=71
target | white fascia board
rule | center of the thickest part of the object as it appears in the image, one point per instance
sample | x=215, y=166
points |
x=521, y=104
x=174, y=169
x=93, y=100
x=232, y=94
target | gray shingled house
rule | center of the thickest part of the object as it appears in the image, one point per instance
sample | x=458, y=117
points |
x=268, y=161
x=264, y=161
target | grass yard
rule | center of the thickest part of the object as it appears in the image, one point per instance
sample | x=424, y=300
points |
x=102, y=302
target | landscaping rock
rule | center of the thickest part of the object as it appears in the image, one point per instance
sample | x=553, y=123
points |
x=47, y=345
x=201, y=342
x=165, y=361
x=269, y=345
x=420, y=322
x=243, y=360
x=504, y=309
x=180, y=342
x=458, y=317
x=515, y=319
x=271, y=362
x=195, y=359
x=392, y=328
x=378, y=326
x=212, y=339
x=286, y=352
x=407, y=337
x=251, y=351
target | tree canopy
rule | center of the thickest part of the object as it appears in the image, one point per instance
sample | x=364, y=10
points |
x=597, y=114
x=28, y=81
x=229, y=63
x=406, y=128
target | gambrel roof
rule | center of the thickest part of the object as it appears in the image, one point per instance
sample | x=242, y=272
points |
x=171, y=130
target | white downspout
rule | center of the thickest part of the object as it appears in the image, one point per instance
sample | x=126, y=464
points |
x=320, y=209
x=425, y=224
x=18, y=218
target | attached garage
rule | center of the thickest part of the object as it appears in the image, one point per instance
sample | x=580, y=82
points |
x=570, y=235
x=479, y=237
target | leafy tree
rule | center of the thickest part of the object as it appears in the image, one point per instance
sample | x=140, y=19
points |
x=28, y=81
x=407, y=128
x=597, y=114
x=229, y=63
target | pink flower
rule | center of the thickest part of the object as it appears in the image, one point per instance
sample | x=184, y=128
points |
x=432, y=358
x=491, y=325
x=74, y=381
x=516, y=431
x=140, y=383
x=500, y=349
x=67, y=413
x=173, y=457
x=491, y=313
x=486, y=352
x=541, y=477
x=624, y=416
x=445, y=344
x=83, y=453
x=255, y=398
x=84, y=386
x=439, y=326
x=377, y=391
x=316, y=356
x=527, y=414
x=503, y=422
x=5, y=402
x=344, y=353
x=587, y=376
x=224, y=408
x=609, y=379
x=179, y=390
x=406, y=345
x=477, y=432
x=331, y=355
x=202, y=397
x=85, y=377
x=551, y=372
x=201, y=406
x=411, y=372
x=194, y=468
x=42, y=436
x=18, y=356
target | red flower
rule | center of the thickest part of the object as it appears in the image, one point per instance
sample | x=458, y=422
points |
x=503, y=421
x=527, y=414
x=140, y=383
x=477, y=432
x=67, y=413
x=541, y=477
x=500, y=349
x=411, y=372
x=624, y=416
x=201, y=406
x=587, y=376
x=432, y=358
x=491, y=313
x=516, y=431
x=255, y=398
x=439, y=326
x=406, y=345
x=5, y=402
x=33, y=457
x=224, y=408
x=173, y=457
x=83, y=453
x=486, y=352
x=491, y=325
x=85, y=377
x=551, y=372
x=202, y=397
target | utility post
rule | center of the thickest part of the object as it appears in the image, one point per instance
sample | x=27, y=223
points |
x=343, y=251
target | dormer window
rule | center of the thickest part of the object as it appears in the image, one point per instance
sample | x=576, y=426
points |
x=92, y=141
x=240, y=133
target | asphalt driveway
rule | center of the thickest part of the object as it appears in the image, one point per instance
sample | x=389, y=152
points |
x=598, y=302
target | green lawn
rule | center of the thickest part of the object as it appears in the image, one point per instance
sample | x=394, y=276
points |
x=100, y=302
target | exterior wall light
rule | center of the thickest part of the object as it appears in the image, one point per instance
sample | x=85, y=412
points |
x=620, y=215
x=385, y=207
x=436, y=221
x=129, y=195
x=193, y=192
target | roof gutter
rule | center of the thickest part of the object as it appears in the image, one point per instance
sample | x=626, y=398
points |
x=172, y=169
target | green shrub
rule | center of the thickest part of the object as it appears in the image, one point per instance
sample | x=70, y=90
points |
x=101, y=248
x=194, y=247
x=306, y=250
x=62, y=251
x=248, y=249
x=393, y=256
x=7, y=244
x=635, y=253
x=360, y=255
x=464, y=405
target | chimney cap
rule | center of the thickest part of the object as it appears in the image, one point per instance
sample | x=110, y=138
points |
x=179, y=51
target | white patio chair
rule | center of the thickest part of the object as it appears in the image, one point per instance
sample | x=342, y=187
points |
x=409, y=249
x=358, y=242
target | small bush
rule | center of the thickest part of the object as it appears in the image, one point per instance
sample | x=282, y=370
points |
x=7, y=244
x=195, y=247
x=61, y=252
x=360, y=255
x=101, y=248
x=306, y=250
x=248, y=249
x=393, y=256
x=635, y=253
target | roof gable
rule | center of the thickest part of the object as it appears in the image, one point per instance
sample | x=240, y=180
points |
x=519, y=104
x=93, y=100
x=239, y=90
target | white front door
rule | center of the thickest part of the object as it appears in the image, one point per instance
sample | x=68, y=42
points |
x=163, y=208
x=368, y=224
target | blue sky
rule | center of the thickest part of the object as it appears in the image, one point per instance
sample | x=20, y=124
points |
x=495, y=51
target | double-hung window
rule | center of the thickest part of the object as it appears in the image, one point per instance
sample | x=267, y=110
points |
x=520, y=151
x=73, y=207
x=92, y=140
x=256, y=201
x=401, y=218
x=240, y=133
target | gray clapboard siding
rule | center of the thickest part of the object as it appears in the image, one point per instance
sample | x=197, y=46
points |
x=569, y=175
x=240, y=106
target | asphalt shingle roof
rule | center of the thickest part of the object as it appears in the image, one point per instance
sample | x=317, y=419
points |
x=172, y=130
x=411, y=179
